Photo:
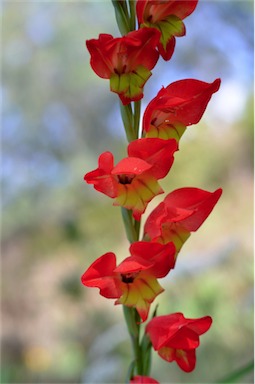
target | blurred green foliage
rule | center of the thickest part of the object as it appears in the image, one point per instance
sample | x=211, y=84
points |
x=58, y=116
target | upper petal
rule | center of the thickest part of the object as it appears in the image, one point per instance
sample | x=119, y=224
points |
x=101, y=177
x=100, y=274
x=101, y=59
x=199, y=201
x=157, y=152
x=183, y=101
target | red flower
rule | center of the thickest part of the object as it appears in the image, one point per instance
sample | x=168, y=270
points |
x=180, y=104
x=143, y=380
x=133, y=181
x=134, y=282
x=126, y=61
x=176, y=338
x=165, y=16
x=182, y=211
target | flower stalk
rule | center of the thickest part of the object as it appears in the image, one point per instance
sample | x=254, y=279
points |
x=127, y=62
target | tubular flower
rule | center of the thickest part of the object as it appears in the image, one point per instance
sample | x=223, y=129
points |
x=183, y=211
x=133, y=182
x=134, y=281
x=143, y=380
x=176, y=338
x=166, y=16
x=177, y=106
x=126, y=61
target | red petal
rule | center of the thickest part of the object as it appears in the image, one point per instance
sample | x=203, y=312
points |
x=161, y=10
x=100, y=274
x=181, y=8
x=168, y=52
x=145, y=54
x=183, y=101
x=201, y=325
x=133, y=264
x=162, y=256
x=187, y=100
x=195, y=199
x=157, y=152
x=143, y=380
x=100, y=61
x=152, y=226
x=162, y=328
x=187, y=360
x=131, y=166
x=184, y=338
x=101, y=177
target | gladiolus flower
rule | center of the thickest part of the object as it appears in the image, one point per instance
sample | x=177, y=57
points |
x=126, y=61
x=133, y=182
x=143, y=380
x=183, y=211
x=176, y=338
x=134, y=281
x=177, y=106
x=165, y=16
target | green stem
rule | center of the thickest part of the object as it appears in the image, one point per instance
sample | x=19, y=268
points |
x=123, y=4
x=132, y=20
x=130, y=226
x=133, y=323
x=127, y=118
x=121, y=17
x=137, y=113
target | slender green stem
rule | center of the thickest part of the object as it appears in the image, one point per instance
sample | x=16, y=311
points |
x=137, y=225
x=133, y=323
x=121, y=17
x=123, y=4
x=130, y=229
x=137, y=113
x=132, y=20
x=127, y=118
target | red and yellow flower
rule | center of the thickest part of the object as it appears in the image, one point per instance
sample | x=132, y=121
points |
x=126, y=61
x=177, y=106
x=133, y=182
x=176, y=338
x=183, y=211
x=166, y=16
x=134, y=281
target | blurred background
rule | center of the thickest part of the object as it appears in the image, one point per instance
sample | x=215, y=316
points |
x=58, y=116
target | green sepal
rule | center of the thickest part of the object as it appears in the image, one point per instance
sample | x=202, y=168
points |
x=171, y=26
x=167, y=131
x=130, y=84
